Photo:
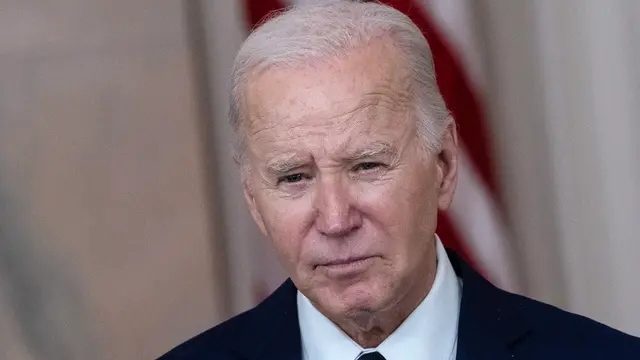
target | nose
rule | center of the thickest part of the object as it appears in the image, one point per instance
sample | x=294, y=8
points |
x=336, y=214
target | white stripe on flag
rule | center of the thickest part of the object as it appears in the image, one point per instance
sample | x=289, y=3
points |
x=474, y=211
x=456, y=20
x=475, y=216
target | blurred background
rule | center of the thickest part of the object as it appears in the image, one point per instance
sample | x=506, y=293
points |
x=123, y=230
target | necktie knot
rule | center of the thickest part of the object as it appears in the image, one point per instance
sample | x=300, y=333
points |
x=371, y=356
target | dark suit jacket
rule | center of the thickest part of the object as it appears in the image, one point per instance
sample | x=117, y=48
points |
x=493, y=325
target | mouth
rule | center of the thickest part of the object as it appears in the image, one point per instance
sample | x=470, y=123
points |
x=346, y=267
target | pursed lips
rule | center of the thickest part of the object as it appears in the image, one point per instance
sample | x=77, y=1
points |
x=343, y=261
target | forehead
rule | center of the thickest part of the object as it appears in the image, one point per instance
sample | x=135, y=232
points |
x=365, y=91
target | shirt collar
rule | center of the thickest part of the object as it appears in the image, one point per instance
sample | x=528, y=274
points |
x=429, y=332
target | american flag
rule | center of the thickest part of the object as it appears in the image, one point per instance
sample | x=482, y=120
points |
x=474, y=226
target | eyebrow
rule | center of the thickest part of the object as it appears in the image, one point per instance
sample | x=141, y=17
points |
x=284, y=165
x=378, y=148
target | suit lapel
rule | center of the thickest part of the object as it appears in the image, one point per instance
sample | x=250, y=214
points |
x=285, y=343
x=490, y=324
x=273, y=331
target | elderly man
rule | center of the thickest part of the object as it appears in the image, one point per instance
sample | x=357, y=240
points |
x=347, y=152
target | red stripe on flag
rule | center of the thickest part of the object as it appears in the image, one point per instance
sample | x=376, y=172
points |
x=258, y=9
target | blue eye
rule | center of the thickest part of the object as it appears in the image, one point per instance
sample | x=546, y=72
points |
x=367, y=166
x=292, y=179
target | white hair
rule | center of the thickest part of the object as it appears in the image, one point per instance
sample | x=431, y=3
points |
x=302, y=34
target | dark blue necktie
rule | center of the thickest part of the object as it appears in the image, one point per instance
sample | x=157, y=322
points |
x=371, y=356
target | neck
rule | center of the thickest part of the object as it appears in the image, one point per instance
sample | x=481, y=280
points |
x=370, y=329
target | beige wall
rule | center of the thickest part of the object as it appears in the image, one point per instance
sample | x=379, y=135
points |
x=105, y=243
x=564, y=102
x=515, y=99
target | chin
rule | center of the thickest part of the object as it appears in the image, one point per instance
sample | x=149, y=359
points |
x=358, y=298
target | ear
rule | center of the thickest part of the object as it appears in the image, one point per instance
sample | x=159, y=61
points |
x=253, y=207
x=447, y=164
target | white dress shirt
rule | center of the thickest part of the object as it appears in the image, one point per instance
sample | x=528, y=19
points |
x=430, y=332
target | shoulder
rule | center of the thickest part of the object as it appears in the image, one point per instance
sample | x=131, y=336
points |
x=213, y=342
x=531, y=329
x=555, y=332
x=228, y=340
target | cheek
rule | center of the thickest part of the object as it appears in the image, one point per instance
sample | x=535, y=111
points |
x=287, y=224
x=405, y=212
x=401, y=203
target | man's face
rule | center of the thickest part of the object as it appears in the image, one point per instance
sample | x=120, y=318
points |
x=338, y=180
